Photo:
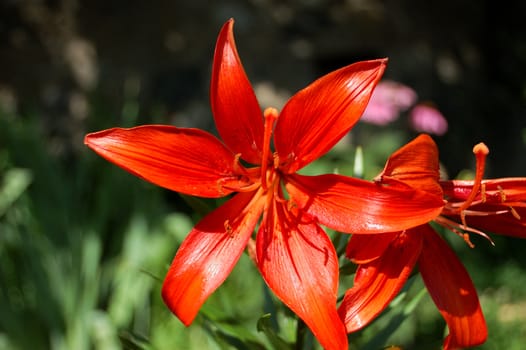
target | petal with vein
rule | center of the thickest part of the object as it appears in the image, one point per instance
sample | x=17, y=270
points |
x=377, y=283
x=452, y=291
x=236, y=111
x=189, y=161
x=299, y=264
x=352, y=205
x=208, y=255
x=317, y=117
x=415, y=164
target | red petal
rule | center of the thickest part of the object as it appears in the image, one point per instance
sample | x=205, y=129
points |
x=299, y=264
x=356, y=206
x=378, y=282
x=452, y=291
x=415, y=164
x=237, y=114
x=318, y=116
x=510, y=189
x=208, y=254
x=189, y=161
x=363, y=249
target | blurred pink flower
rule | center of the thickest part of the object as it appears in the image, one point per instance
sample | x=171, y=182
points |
x=388, y=100
x=425, y=118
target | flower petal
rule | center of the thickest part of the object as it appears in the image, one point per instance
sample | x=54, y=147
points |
x=189, y=161
x=208, y=254
x=363, y=249
x=299, y=264
x=357, y=206
x=317, y=117
x=509, y=189
x=452, y=291
x=378, y=282
x=415, y=164
x=236, y=111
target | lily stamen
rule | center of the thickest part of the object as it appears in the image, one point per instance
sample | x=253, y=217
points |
x=461, y=230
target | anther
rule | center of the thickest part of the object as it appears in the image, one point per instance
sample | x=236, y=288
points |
x=276, y=160
x=483, y=192
x=465, y=236
x=502, y=194
x=514, y=213
x=228, y=227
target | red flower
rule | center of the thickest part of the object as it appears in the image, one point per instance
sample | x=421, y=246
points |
x=386, y=260
x=293, y=253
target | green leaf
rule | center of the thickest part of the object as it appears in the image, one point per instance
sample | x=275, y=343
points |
x=15, y=182
x=265, y=325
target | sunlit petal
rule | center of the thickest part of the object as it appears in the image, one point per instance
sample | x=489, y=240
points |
x=208, y=254
x=189, y=161
x=356, y=206
x=415, y=164
x=237, y=114
x=321, y=114
x=452, y=291
x=299, y=264
x=378, y=282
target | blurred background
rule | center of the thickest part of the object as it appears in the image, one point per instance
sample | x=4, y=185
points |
x=84, y=246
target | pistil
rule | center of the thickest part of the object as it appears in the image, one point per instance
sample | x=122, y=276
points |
x=481, y=151
x=270, y=115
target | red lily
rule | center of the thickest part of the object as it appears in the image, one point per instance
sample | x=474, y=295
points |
x=496, y=205
x=386, y=261
x=293, y=254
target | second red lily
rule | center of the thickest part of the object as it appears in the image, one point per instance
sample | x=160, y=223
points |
x=386, y=261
